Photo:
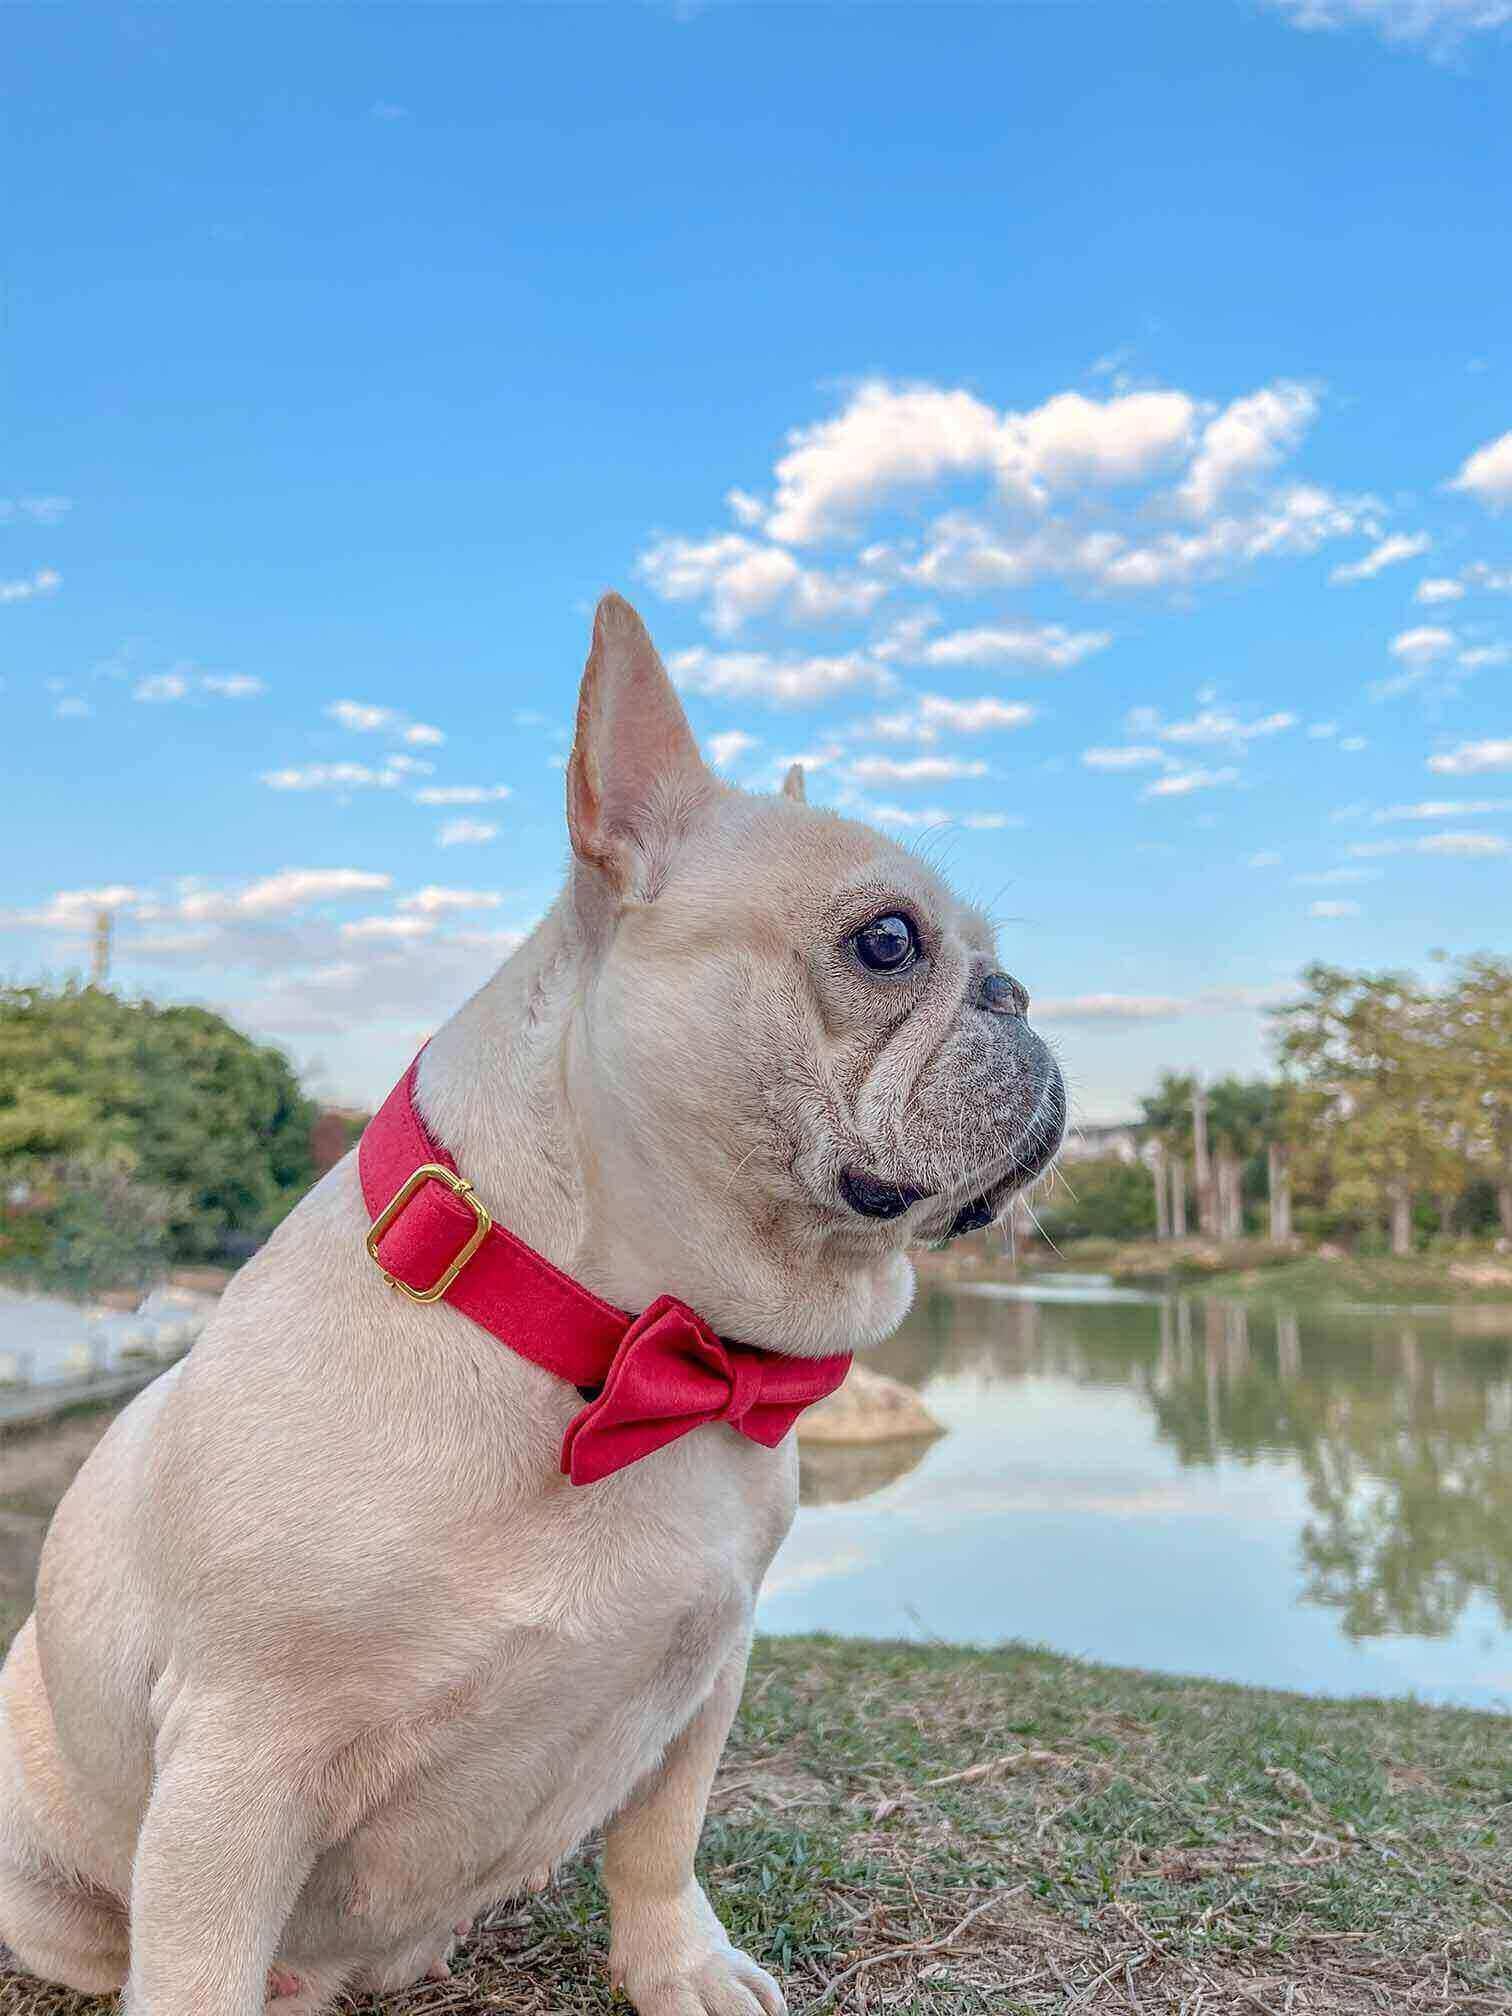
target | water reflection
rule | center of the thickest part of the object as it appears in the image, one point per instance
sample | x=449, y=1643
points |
x=838, y=1473
x=1320, y=1497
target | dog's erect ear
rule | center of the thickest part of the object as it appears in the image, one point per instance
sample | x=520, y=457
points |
x=792, y=784
x=635, y=777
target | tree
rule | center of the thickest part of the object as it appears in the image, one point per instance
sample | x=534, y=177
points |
x=1167, y=1126
x=1375, y=1071
x=1241, y=1117
x=1480, y=1024
x=175, y=1098
x=1102, y=1197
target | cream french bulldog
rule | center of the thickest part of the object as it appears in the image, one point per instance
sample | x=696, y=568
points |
x=327, y=1654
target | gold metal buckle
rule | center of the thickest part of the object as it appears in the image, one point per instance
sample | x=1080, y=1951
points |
x=426, y=1173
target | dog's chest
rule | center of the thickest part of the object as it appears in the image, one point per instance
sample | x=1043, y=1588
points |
x=608, y=1634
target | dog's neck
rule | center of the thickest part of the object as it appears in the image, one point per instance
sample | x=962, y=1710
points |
x=502, y=1088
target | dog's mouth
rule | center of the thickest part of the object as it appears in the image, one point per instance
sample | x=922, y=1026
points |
x=875, y=1197
x=1033, y=1152
x=1035, y=1149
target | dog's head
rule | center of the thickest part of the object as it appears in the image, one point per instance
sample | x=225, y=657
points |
x=796, y=1053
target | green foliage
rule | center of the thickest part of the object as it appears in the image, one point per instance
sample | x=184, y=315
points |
x=104, y=1229
x=1400, y=1093
x=212, y=1126
x=1104, y=1198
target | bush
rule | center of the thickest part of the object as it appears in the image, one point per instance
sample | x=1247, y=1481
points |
x=1101, y=1198
x=103, y=1229
x=212, y=1126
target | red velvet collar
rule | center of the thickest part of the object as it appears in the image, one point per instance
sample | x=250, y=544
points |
x=661, y=1374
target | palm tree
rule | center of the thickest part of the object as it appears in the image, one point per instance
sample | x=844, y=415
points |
x=1167, y=1126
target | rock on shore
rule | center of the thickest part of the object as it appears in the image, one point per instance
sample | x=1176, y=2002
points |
x=869, y=1407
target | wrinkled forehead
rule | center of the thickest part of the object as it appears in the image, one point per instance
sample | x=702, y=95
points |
x=777, y=867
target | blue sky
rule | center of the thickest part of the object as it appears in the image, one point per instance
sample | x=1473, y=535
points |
x=1083, y=431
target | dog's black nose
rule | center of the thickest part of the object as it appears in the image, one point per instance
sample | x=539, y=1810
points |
x=1000, y=994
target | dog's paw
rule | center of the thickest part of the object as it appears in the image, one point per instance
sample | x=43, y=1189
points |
x=727, y=1983
x=677, y=1960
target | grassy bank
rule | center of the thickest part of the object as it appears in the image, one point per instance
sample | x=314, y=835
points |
x=1248, y=1267
x=936, y=1830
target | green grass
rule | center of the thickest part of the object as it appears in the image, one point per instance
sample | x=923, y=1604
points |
x=948, y=1832
x=1254, y=1268
x=1421, y=1278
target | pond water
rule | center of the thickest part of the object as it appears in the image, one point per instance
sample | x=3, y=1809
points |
x=1317, y=1499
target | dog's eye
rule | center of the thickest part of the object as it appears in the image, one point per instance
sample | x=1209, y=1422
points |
x=887, y=945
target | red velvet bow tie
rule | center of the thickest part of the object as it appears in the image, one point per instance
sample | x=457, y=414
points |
x=661, y=1374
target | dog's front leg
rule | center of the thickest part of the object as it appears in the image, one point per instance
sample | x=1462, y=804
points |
x=668, y=1950
x=224, y=1850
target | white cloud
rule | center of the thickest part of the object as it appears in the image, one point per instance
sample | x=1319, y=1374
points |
x=1479, y=656
x=1422, y=645
x=1267, y=859
x=969, y=717
x=161, y=686
x=336, y=777
x=466, y=833
x=965, y=556
x=432, y=901
x=1249, y=436
x=932, y=715
x=1487, y=474
x=1326, y=878
x=1437, y=25
x=1443, y=808
x=886, y=440
x=1149, y=1007
x=1213, y=726
x=1459, y=846
x=365, y=719
x=991, y=822
x=1472, y=757
x=1071, y=442
x=914, y=770
x=1353, y=744
x=388, y=927
x=741, y=579
x=781, y=682
x=1493, y=580
x=889, y=440
x=360, y=717
x=72, y=708
x=1468, y=845
x=289, y=890
x=1048, y=646
x=1333, y=908
x=1182, y=782
x=46, y=581
x=1134, y=757
x=902, y=816
x=1438, y=588
x=461, y=794
x=74, y=909
x=40, y=510
x=233, y=685
x=727, y=748
x=183, y=680
x=1389, y=553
